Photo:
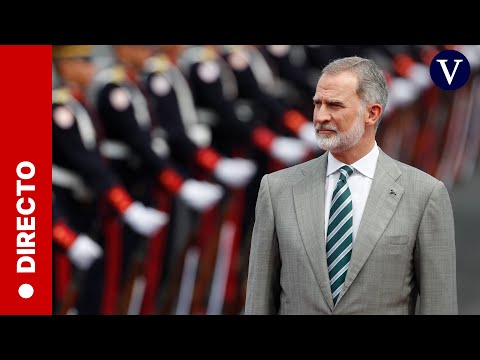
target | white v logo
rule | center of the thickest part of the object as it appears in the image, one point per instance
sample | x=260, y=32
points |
x=445, y=70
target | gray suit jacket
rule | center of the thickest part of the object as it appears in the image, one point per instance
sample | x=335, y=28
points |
x=405, y=245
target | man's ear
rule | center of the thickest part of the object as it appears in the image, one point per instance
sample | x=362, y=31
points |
x=374, y=112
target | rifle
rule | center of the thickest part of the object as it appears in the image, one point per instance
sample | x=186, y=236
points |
x=225, y=276
x=70, y=282
x=182, y=236
x=206, y=242
x=145, y=269
x=183, y=280
x=113, y=257
x=66, y=291
x=187, y=282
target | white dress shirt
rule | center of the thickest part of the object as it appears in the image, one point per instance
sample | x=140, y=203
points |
x=359, y=183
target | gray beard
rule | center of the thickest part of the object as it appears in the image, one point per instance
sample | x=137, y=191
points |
x=341, y=141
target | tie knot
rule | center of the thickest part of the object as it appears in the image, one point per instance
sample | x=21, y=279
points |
x=345, y=172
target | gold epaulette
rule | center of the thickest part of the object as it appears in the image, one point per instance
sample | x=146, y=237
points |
x=208, y=53
x=228, y=49
x=159, y=63
x=118, y=74
x=60, y=96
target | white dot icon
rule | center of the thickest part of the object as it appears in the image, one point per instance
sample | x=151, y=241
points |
x=25, y=291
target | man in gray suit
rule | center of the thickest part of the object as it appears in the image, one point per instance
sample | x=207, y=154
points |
x=352, y=231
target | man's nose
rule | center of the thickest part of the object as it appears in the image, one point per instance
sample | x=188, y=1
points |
x=321, y=116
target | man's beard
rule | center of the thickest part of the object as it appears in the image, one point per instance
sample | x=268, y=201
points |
x=340, y=141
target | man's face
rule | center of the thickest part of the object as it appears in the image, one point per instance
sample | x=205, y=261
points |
x=339, y=114
x=78, y=70
x=134, y=55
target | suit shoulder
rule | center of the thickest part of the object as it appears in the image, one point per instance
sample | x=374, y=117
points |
x=411, y=170
x=418, y=178
x=292, y=174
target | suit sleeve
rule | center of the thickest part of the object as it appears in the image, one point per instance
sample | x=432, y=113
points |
x=263, y=285
x=435, y=261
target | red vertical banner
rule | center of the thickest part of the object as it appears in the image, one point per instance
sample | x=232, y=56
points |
x=25, y=181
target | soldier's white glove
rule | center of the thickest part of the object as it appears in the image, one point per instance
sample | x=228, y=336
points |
x=83, y=252
x=144, y=220
x=307, y=134
x=235, y=172
x=289, y=151
x=200, y=195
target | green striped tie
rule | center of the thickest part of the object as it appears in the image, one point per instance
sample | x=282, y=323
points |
x=340, y=233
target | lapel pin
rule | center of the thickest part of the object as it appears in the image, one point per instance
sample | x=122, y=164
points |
x=393, y=192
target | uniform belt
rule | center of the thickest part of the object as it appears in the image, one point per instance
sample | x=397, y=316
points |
x=115, y=150
x=65, y=178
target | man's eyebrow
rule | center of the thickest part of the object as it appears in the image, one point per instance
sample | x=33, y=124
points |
x=334, y=102
x=328, y=101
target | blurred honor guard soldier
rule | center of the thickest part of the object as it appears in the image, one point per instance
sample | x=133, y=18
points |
x=125, y=117
x=249, y=66
x=173, y=110
x=216, y=96
x=289, y=63
x=82, y=181
x=235, y=130
x=69, y=247
x=214, y=88
x=137, y=148
x=173, y=106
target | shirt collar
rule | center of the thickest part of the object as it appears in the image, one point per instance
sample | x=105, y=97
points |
x=366, y=165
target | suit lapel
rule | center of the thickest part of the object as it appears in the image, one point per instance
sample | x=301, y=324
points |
x=309, y=199
x=379, y=209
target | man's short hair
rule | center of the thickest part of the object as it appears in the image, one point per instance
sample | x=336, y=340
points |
x=372, y=85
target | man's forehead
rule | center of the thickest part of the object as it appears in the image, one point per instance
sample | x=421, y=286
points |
x=341, y=84
x=344, y=78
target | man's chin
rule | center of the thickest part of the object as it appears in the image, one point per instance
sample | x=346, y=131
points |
x=328, y=148
x=333, y=149
x=326, y=145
